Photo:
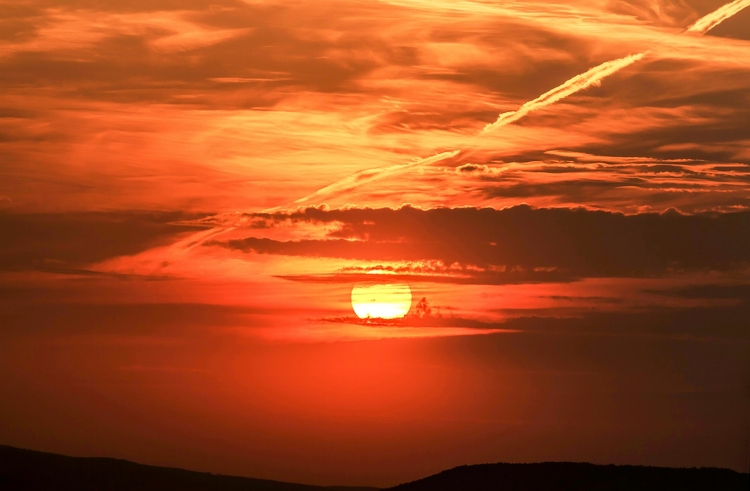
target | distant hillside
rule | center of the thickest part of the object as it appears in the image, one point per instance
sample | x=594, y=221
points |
x=27, y=470
x=565, y=476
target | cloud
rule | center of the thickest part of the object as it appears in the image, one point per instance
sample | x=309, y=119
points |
x=66, y=241
x=559, y=241
x=598, y=73
x=732, y=291
x=725, y=323
x=672, y=13
x=369, y=175
x=298, y=98
x=456, y=274
x=580, y=82
x=433, y=321
x=29, y=316
x=592, y=77
x=477, y=169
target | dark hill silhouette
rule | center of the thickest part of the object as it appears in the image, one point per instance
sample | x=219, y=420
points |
x=27, y=470
x=568, y=476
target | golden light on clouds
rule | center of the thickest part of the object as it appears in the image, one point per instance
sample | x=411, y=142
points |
x=538, y=211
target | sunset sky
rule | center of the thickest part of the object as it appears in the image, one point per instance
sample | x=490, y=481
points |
x=190, y=190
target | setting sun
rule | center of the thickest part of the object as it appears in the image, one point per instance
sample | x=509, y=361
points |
x=381, y=301
x=352, y=244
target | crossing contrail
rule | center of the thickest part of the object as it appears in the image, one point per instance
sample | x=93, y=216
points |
x=580, y=82
x=705, y=24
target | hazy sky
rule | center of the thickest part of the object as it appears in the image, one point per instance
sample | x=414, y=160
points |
x=190, y=189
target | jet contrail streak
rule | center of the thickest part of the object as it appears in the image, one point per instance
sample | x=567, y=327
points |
x=575, y=84
x=705, y=24
x=597, y=74
x=368, y=175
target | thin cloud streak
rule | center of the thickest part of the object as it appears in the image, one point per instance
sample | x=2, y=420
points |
x=705, y=24
x=597, y=74
x=369, y=175
x=575, y=84
x=580, y=82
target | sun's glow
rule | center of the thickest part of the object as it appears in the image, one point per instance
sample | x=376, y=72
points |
x=381, y=301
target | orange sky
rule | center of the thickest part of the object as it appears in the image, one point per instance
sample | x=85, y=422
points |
x=190, y=189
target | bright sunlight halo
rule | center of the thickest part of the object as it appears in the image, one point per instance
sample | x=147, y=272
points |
x=381, y=301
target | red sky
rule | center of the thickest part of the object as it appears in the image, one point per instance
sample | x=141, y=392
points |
x=190, y=190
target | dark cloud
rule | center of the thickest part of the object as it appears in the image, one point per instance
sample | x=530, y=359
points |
x=743, y=169
x=437, y=320
x=687, y=196
x=455, y=276
x=700, y=114
x=29, y=318
x=594, y=189
x=702, y=323
x=707, y=125
x=577, y=241
x=54, y=241
x=733, y=291
x=654, y=84
x=672, y=13
x=715, y=324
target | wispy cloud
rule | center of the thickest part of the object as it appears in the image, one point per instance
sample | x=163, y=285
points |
x=597, y=74
x=369, y=175
x=592, y=77
x=164, y=32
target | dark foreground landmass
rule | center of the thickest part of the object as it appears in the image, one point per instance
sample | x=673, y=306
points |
x=37, y=471
x=27, y=470
x=568, y=476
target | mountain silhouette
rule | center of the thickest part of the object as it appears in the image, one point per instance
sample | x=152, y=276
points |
x=28, y=470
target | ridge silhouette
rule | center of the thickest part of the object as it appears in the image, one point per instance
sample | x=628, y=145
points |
x=29, y=470
x=570, y=476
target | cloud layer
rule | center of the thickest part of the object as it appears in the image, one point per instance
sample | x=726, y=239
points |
x=599, y=244
x=570, y=242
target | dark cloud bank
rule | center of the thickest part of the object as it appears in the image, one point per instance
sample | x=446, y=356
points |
x=70, y=240
x=575, y=241
x=519, y=243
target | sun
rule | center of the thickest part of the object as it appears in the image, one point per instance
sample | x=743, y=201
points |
x=381, y=300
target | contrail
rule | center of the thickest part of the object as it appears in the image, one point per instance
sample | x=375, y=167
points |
x=368, y=175
x=705, y=24
x=597, y=74
x=575, y=84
